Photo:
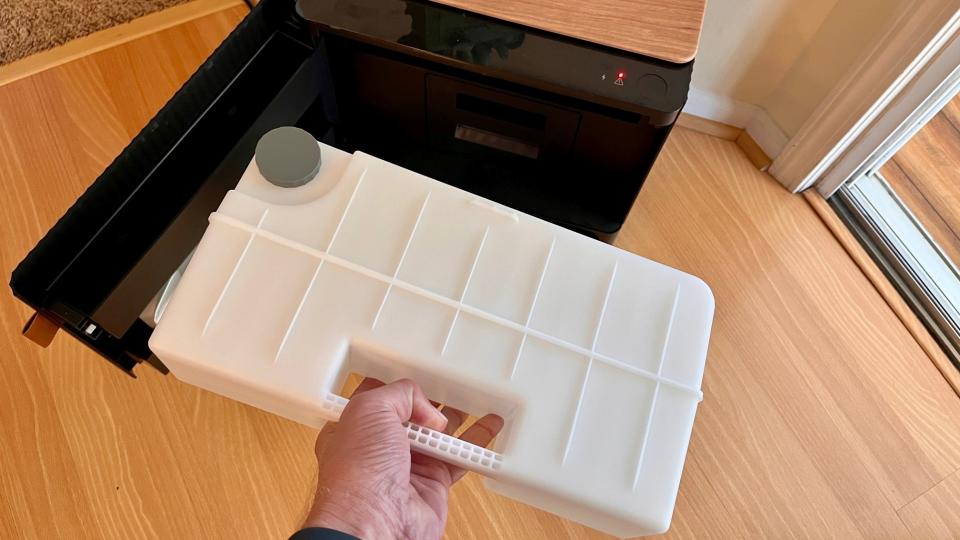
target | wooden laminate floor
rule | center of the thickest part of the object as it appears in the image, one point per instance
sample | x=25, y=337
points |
x=925, y=173
x=821, y=417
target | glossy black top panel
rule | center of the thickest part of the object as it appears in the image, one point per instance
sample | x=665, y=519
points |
x=508, y=51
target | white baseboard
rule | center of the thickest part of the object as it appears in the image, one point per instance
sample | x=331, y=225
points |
x=719, y=108
x=755, y=120
x=767, y=134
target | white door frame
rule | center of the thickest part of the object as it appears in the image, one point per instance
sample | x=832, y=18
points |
x=923, y=98
x=880, y=100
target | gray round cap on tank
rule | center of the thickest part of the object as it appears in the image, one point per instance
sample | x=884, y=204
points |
x=288, y=157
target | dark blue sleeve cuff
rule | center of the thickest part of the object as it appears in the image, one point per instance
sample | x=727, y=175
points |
x=321, y=533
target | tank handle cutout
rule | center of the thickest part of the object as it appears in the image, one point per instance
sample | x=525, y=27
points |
x=363, y=357
x=446, y=448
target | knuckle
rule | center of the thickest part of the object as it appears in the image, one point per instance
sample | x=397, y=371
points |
x=404, y=382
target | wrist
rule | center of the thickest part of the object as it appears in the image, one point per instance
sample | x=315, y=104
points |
x=328, y=521
x=351, y=514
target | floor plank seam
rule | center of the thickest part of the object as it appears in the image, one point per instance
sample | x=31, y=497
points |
x=933, y=487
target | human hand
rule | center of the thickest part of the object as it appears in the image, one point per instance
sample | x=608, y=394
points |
x=370, y=484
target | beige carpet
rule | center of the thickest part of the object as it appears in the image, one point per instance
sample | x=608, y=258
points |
x=30, y=26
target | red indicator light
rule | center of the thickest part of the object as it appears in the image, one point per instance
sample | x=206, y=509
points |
x=620, y=74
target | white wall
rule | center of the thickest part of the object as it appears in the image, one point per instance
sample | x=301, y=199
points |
x=766, y=64
x=747, y=46
x=846, y=34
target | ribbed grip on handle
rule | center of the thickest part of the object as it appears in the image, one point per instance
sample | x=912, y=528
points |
x=454, y=451
x=444, y=447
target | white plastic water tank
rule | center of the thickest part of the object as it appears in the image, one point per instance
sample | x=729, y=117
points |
x=593, y=356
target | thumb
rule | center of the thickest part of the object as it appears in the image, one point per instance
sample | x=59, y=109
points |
x=402, y=399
